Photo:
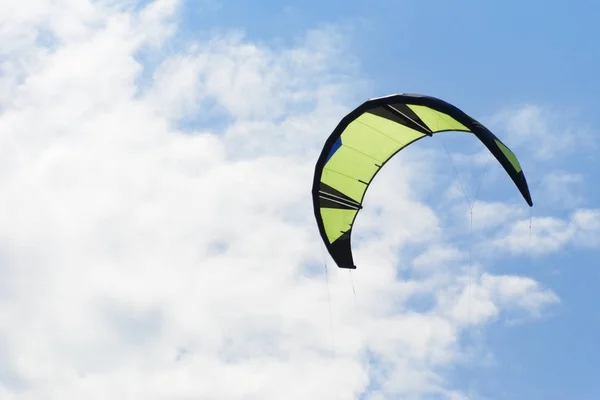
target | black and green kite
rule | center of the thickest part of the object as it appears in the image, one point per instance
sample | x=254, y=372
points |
x=366, y=139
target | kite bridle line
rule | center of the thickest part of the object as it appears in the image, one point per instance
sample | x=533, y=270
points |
x=324, y=251
x=353, y=290
x=471, y=205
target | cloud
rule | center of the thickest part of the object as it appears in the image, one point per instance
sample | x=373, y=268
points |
x=151, y=252
x=483, y=299
x=438, y=254
x=550, y=234
x=545, y=133
x=491, y=215
x=561, y=189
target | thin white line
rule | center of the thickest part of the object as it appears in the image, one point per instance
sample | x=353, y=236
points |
x=339, y=202
x=341, y=198
x=406, y=116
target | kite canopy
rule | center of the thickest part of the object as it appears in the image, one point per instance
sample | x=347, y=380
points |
x=366, y=139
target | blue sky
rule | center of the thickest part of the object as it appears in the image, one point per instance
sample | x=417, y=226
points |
x=482, y=56
x=157, y=228
x=508, y=52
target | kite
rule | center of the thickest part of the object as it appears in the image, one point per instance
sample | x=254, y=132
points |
x=367, y=138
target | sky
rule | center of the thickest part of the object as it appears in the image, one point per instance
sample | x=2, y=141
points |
x=157, y=236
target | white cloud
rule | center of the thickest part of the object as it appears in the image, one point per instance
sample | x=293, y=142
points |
x=142, y=261
x=438, y=254
x=480, y=298
x=561, y=189
x=549, y=234
x=546, y=134
x=491, y=215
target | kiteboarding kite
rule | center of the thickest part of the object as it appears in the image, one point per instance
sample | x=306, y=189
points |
x=366, y=139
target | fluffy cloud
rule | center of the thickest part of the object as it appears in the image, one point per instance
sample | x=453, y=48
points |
x=542, y=235
x=157, y=236
x=562, y=189
x=544, y=132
